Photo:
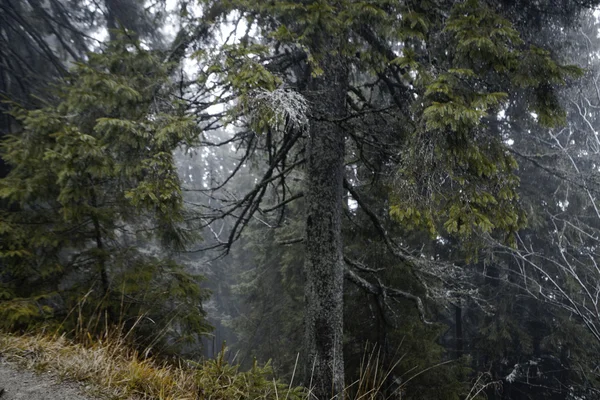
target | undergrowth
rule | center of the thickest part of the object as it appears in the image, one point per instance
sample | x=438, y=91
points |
x=113, y=370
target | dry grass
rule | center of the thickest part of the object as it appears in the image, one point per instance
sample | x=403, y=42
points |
x=113, y=370
x=373, y=379
x=110, y=368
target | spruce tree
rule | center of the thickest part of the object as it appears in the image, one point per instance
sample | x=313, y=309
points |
x=95, y=201
x=444, y=68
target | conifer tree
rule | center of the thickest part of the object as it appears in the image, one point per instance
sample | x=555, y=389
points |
x=442, y=69
x=92, y=179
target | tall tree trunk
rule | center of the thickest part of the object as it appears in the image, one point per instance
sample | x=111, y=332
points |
x=324, y=260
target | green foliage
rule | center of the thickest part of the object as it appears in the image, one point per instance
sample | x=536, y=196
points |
x=217, y=379
x=238, y=71
x=462, y=68
x=92, y=178
x=19, y=312
x=457, y=176
x=484, y=40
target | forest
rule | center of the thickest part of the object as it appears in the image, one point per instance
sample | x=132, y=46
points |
x=336, y=199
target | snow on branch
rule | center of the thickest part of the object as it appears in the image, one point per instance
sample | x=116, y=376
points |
x=280, y=109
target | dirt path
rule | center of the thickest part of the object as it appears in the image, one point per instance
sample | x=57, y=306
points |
x=20, y=384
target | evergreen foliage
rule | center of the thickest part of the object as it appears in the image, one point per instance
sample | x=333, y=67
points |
x=92, y=176
x=460, y=69
x=456, y=170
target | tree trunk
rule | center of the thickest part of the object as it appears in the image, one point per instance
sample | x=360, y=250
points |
x=99, y=243
x=101, y=258
x=324, y=266
x=459, y=330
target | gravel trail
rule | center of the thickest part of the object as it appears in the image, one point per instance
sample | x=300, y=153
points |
x=21, y=384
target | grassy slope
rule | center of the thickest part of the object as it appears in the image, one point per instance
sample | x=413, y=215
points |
x=117, y=372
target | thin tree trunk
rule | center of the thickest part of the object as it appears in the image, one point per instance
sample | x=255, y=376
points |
x=101, y=260
x=459, y=330
x=99, y=246
x=324, y=260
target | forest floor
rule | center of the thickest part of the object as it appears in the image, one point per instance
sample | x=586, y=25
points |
x=19, y=383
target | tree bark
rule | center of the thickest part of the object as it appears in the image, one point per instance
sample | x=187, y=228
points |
x=324, y=263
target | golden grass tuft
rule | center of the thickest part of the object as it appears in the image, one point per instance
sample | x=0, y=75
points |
x=111, y=368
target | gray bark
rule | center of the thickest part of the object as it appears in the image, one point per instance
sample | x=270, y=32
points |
x=324, y=264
